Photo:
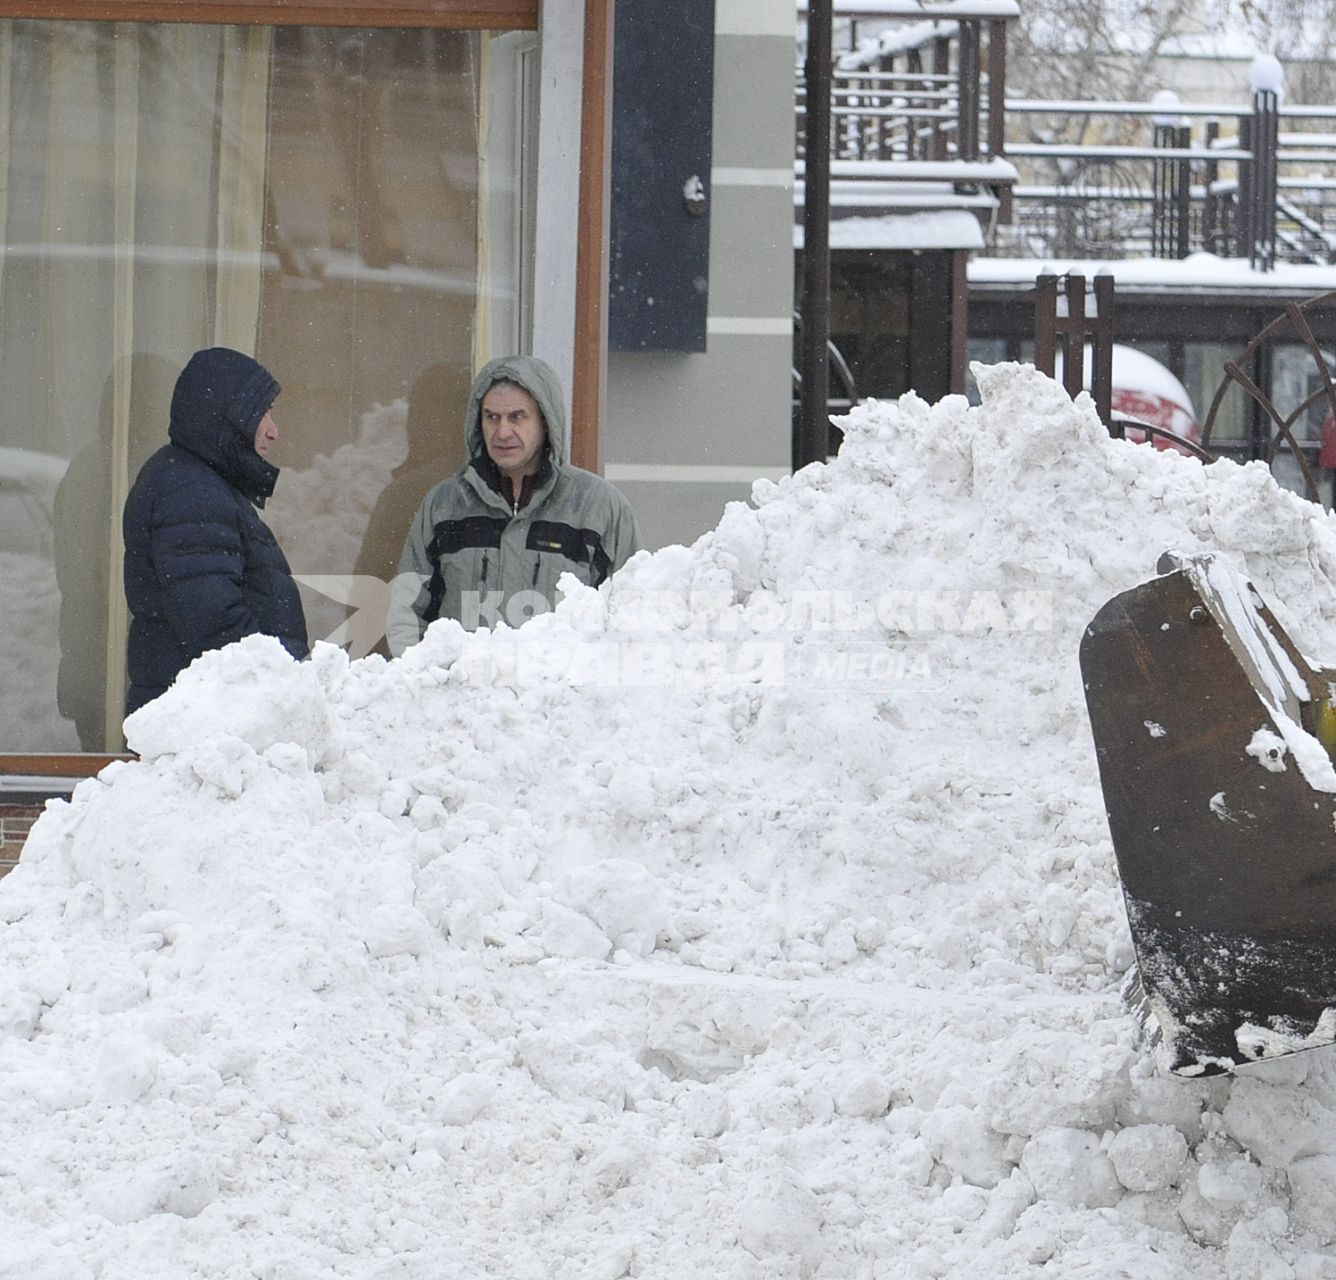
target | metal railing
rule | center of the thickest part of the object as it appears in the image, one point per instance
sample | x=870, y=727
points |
x=1255, y=181
x=932, y=95
x=884, y=115
x=1086, y=179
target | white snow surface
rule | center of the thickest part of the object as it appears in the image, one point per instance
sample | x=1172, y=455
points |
x=530, y=956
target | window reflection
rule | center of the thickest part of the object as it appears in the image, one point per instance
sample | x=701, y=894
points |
x=310, y=196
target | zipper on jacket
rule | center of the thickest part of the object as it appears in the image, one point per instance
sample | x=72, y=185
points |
x=537, y=564
x=482, y=581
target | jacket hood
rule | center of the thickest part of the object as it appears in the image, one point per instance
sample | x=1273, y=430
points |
x=219, y=400
x=540, y=380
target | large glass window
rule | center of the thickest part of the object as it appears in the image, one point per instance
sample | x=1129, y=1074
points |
x=1296, y=378
x=1204, y=376
x=338, y=202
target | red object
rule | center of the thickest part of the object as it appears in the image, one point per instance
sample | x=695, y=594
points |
x=1327, y=454
x=1159, y=412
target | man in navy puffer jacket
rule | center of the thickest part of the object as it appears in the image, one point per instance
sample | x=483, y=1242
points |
x=201, y=567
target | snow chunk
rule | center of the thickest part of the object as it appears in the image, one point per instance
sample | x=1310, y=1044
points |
x=1067, y=1165
x=396, y=929
x=1313, y=1196
x=1268, y=749
x=961, y=1141
x=625, y=900
x=862, y=1092
x=781, y=1219
x=253, y=690
x=1148, y=1157
x=463, y=1099
x=1278, y=1125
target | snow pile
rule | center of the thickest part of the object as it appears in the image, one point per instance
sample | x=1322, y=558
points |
x=754, y=918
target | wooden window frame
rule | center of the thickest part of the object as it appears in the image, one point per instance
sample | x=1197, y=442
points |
x=589, y=378
x=475, y=15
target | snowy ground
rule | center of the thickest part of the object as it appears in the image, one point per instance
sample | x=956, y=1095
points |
x=755, y=918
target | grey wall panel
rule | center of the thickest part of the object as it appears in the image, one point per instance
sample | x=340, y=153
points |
x=730, y=408
x=751, y=260
x=677, y=513
x=754, y=79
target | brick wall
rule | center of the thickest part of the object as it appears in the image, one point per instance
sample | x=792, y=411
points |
x=15, y=820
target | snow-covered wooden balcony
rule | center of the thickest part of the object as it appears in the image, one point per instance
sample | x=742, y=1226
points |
x=920, y=121
x=917, y=108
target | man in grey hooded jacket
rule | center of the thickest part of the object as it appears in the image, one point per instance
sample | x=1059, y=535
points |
x=488, y=543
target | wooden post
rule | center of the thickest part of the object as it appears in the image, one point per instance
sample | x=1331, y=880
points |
x=812, y=438
x=1073, y=336
x=1046, y=323
x=997, y=108
x=1072, y=330
x=589, y=382
x=967, y=90
x=1183, y=197
x=1262, y=249
x=1101, y=374
x=960, y=293
x=937, y=130
x=1244, y=235
x=1210, y=215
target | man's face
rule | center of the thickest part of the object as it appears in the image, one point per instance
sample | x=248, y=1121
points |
x=266, y=434
x=513, y=431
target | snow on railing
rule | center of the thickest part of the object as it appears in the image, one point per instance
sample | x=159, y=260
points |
x=1096, y=177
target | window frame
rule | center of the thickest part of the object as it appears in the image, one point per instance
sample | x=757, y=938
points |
x=476, y=15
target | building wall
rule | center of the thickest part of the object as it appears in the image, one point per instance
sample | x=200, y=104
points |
x=686, y=434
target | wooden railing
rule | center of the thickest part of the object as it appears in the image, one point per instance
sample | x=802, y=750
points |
x=930, y=94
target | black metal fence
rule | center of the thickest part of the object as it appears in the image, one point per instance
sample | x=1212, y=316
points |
x=1256, y=181
x=1253, y=180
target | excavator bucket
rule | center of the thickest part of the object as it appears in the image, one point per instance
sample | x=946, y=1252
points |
x=1221, y=797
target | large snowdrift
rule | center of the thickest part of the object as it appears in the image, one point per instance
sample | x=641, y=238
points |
x=754, y=918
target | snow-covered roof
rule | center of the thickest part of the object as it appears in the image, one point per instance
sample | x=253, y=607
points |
x=892, y=197
x=900, y=38
x=994, y=170
x=1199, y=273
x=935, y=229
x=918, y=9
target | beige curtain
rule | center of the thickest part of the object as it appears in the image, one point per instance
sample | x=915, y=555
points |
x=243, y=98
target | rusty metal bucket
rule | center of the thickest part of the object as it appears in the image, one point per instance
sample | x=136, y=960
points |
x=1222, y=807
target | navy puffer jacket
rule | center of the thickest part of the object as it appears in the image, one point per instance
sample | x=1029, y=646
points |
x=201, y=567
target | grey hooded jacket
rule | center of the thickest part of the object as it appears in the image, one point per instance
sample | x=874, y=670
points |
x=469, y=556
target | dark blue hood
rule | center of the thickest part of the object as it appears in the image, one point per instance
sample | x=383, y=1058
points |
x=219, y=400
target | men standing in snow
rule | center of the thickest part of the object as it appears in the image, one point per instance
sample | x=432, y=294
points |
x=201, y=567
x=488, y=543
